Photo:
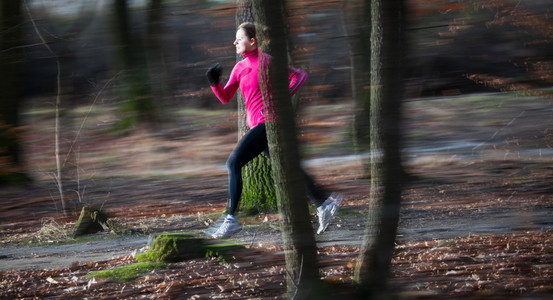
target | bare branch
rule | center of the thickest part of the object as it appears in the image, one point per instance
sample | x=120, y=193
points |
x=58, y=100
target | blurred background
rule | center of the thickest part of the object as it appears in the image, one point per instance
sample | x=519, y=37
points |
x=105, y=104
x=111, y=88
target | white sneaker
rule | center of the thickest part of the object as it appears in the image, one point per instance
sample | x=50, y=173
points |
x=229, y=227
x=327, y=210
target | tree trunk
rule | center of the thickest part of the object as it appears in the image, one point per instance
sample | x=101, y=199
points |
x=360, y=70
x=258, y=192
x=386, y=172
x=11, y=66
x=299, y=242
x=138, y=103
x=154, y=57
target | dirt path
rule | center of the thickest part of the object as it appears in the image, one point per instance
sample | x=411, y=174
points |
x=59, y=256
x=452, y=216
x=481, y=170
x=416, y=225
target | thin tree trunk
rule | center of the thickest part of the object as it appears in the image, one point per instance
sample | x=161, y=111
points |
x=58, y=176
x=154, y=56
x=386, y=172
x=360, y=70
x=299, y=242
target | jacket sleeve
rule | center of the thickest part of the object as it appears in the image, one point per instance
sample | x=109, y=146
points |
x=297, y=77
x=225, y=94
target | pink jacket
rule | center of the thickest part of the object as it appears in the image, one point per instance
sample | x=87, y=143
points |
x=244, y=75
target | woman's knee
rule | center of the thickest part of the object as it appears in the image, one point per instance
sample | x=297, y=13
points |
x=233, y=164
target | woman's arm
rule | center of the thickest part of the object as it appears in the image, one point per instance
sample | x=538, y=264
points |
x=297, y=77
x=225, y=94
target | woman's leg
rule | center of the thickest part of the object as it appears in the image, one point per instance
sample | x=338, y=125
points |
x=249, y=147
x=316, y=194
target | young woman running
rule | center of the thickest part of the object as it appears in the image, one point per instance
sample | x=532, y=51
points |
x=244, y=75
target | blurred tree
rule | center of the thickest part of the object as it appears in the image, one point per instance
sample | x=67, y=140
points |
x=155, y=60
x=11, y=69
x=360, y=28
x=387, y=51
x=300, y=249
x=258, y=192
x=138, y=103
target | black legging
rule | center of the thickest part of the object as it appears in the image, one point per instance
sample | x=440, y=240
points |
x=249, y=147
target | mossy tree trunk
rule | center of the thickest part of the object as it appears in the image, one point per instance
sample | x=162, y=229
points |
x=387, y=46
x=301, y=257
x=258, y=193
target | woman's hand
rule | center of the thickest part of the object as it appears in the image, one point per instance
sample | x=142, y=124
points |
x=214, y=74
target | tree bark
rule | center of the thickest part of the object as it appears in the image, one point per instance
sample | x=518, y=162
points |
x=299, y=242
x=360, y=70
x=154, y=58
x=386, y=171
x=258, y=192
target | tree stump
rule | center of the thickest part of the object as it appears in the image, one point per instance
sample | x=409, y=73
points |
x=90, y=221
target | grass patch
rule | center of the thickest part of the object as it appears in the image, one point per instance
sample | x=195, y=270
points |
x=126, y=273
x=486, y=100
x=351, y=212
x=222, y=252
x=41, y=240
x=202, y=112
x=51, y=231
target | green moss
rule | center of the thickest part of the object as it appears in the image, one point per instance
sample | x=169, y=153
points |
x=90, y=220
x=126, y=273
x=175, y=247
x=223, y=252
x=351, y=212
x=258, y=194
x=446, y=243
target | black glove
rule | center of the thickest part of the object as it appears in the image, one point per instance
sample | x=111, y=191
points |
x=213, y=74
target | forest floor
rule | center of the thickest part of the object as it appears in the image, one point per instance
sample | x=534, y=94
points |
x=476, y=219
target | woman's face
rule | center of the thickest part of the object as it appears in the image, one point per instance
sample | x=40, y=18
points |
x=243, y=43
